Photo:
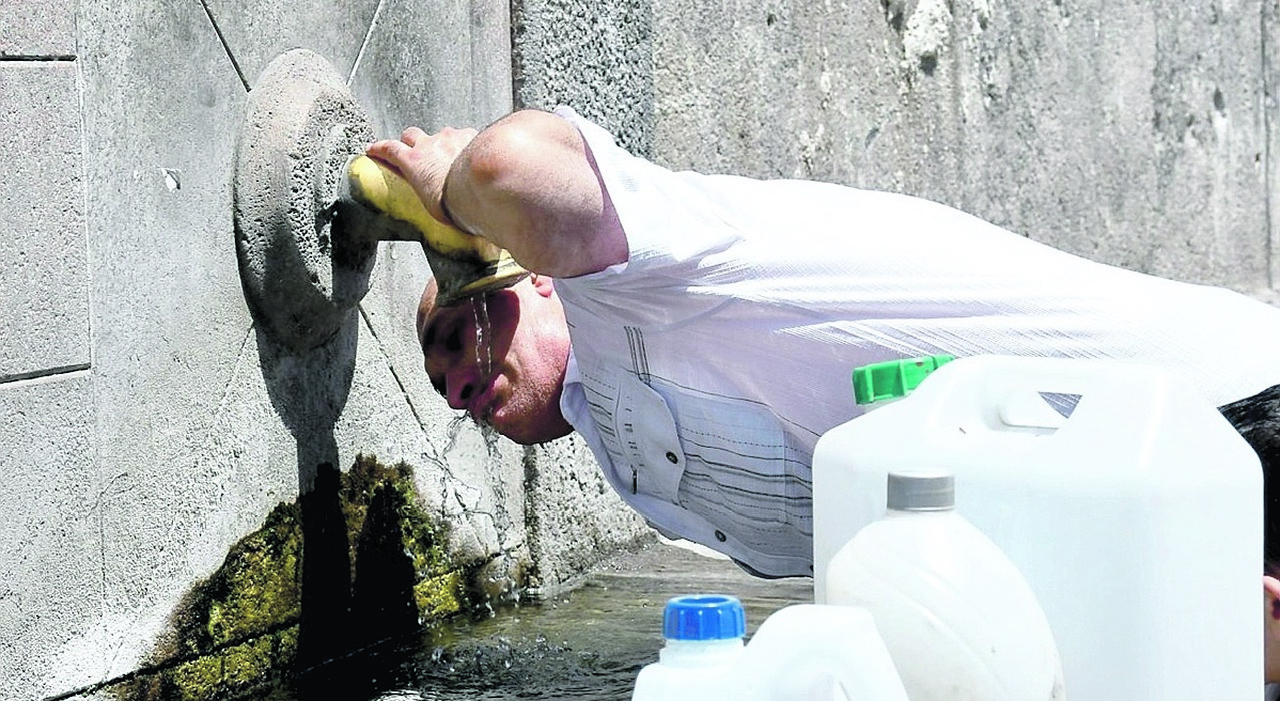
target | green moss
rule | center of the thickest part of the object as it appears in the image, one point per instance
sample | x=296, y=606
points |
x=223, y=674
x=257, y=588
x=196, y=680
x=439, y=597
x=240, y=627
x=249, y=663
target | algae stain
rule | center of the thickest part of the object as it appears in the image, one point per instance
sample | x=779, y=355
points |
x=238, y=630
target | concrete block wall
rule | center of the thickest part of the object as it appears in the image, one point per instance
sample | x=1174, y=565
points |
x=146, y=425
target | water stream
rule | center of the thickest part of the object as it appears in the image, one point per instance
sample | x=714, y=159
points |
x=587, y=644
x=484, y=347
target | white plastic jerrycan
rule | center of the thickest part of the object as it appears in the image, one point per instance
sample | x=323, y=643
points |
x=1129, y=504
x=960, y=622
x=800, y=653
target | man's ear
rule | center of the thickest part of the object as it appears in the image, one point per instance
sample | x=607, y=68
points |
x=1271, y=628
x=1271, y=594
x=542, y=284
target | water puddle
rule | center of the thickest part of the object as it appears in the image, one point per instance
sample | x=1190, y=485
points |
x=588, y=644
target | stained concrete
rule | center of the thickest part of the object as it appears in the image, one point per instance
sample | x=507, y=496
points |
x=1131, y=134
x=1270, y=107
x=1145, y=144
x=44, y=300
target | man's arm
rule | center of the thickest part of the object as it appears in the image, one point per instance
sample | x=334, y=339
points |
x=526, y=183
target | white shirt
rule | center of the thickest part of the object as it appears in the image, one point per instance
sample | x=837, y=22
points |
x=705, y=368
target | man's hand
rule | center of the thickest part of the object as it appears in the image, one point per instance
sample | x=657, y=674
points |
x=525, y=184
x=424, y=160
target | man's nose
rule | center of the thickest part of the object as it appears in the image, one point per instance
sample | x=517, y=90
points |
x=460, y=386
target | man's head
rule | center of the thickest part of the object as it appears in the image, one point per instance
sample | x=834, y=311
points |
x=509, y=375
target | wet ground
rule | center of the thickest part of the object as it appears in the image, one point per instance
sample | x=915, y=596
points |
x=587, y=644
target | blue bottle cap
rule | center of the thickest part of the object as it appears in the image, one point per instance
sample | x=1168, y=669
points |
x=704, y=617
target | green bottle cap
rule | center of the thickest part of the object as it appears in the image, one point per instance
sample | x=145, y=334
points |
x=893, y=378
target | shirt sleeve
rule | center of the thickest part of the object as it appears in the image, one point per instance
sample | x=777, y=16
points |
x=678, y=237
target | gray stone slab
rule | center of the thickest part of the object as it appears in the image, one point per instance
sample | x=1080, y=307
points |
x=44, y=297
x=44, y=28
x=258, y=32
x=49, y=537
x=437, y=65
x=169, y=316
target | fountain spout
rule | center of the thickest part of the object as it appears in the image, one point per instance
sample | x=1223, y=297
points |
x=310, y=209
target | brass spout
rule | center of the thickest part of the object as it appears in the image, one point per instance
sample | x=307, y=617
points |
x=376, y=203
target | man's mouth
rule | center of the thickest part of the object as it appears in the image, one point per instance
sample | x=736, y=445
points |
x=484, y=405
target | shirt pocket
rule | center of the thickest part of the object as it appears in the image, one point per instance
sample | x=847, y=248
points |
x=648, y=440
x=737, y=459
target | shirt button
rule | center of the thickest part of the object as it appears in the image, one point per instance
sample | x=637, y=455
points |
x=671, y=458
x=720, y=536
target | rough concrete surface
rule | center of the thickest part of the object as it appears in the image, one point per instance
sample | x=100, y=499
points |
x=1270, y=103
x=595, y=57
x=574, y=517
x=44, y=300
x=1147, y=146
x=38, y=28
x=51, y=537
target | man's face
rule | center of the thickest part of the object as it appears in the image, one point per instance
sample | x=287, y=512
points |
x=510, y=374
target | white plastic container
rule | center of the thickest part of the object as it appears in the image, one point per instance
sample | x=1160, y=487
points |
x=704, y=640
x=958, y=619
x=1137, y=519
x=800, y=653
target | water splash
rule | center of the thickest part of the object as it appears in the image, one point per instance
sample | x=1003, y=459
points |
x=453, y=430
